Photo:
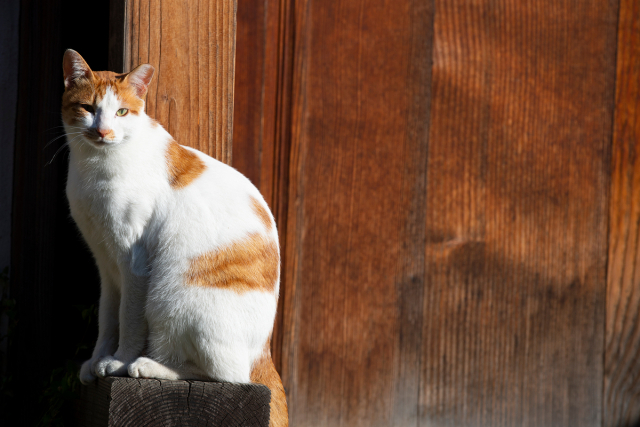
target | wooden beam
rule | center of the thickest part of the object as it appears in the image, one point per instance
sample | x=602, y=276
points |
x=129, y=402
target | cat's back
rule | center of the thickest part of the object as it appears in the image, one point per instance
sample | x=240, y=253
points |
x=214, y=200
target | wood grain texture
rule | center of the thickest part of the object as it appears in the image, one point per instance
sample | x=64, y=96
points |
x=517, y=213
x=192, y=46
x=622, y=346
x=262, y=130
x=251, y=72
x=355, y=231
x=446, y=237
x=129, y=402
x=119, y=38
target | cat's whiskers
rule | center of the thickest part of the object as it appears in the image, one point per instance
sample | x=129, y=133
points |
x=75, y=138
x=61, y=129
x=56, y=153
x=61, y=126
x=62, y=146
x=61, y=136
x=54, y=129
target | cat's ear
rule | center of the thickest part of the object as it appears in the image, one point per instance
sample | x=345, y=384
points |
x=74, y=67
x=140, y=78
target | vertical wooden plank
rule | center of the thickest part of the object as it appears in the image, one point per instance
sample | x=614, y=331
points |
x=249, y=105
x=192, y=46
x=132, y=37
x=355, y=231
x=516, y=213
x=261, y=115
x=622, y=345
x=119, y=49
x=276, y=151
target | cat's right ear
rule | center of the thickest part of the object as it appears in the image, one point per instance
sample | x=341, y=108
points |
x=140, y=78
x=74, y=67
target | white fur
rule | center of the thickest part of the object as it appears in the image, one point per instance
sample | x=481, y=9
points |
x=143, y=234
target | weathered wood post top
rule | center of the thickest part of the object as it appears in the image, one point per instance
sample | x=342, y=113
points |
x=131, y=402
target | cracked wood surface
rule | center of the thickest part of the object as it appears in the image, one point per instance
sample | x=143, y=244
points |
x=130, y=402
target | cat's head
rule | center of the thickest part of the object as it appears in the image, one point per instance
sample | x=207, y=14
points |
x=102, y=108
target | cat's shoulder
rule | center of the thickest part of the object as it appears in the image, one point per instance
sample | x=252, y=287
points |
x=188, y=166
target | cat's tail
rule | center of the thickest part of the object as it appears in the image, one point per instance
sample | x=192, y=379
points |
x=264, y=372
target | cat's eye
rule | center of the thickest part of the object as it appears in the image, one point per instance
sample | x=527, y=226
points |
x=122, y=112
x=88, y=108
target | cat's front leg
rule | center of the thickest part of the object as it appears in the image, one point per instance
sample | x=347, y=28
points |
x=107, y=342
x=133, y=324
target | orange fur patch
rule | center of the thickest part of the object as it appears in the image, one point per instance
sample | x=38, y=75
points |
x=263, y=372
x=183, y=165
x=261, y=212
x=252, y=264
x=81, y=93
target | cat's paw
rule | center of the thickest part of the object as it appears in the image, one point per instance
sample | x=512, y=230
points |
x=86, y=372
x=110, y=366
x=143, y=367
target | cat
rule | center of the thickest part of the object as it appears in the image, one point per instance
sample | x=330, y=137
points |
x=186, y=247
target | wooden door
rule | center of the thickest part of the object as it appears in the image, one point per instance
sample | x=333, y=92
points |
x=459, y=245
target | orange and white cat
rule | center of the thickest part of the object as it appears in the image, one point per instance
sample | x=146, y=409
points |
x=186, y=246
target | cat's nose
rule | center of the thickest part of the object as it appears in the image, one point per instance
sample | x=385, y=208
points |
x=103, y=132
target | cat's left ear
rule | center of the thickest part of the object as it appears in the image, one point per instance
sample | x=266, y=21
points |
x=74, y=67
x=140, y=78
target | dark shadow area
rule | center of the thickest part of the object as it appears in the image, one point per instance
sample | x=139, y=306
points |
x=53, y=278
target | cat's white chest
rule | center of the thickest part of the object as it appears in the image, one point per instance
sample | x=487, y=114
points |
x=115, y=211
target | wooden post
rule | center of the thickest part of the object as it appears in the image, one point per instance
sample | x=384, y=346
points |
x=192, y=46
x=130, y=402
